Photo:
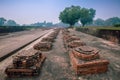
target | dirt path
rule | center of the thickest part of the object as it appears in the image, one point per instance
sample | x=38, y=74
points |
x=109, y=51
x=57, y=65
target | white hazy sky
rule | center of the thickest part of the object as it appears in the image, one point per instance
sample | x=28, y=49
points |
x=31, y=11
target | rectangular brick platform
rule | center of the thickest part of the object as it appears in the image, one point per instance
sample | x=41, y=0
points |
x=82, y=67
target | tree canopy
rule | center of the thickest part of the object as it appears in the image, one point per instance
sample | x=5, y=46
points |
x=99, y=22
x=2, y=21
x=87, y=15
x=73, y=14
x=112, y=21
x=11, y=23
x=108, y=22
x=70, y=15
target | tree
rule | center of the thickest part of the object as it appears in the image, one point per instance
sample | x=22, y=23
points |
x=11, y=23
x=99, y=22
x=73, y=14
x=70, y=15
x=87, y=15
x=112, y=21
x=2, y=21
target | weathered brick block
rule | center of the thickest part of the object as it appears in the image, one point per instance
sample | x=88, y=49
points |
x=48, y=39
x=86, y=53
x=28, y=66
x=75, y=43
x=43, y=46
x=88, y=67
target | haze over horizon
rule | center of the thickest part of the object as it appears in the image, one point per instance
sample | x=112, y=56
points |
x=31, y=11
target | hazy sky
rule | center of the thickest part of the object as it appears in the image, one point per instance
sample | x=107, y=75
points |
x=31, y=11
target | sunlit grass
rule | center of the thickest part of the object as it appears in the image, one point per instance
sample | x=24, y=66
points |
x=102, y=28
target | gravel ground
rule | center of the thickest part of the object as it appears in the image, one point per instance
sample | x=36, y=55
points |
x=57, y=65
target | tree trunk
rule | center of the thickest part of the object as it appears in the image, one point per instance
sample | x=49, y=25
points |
x=83, y=24
x=71, y=26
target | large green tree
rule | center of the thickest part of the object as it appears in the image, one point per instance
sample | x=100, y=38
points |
x=99, y=22
x=73, y=14
x=70, y=15
x=11, y=23
x=112, y=21
x=87, y=15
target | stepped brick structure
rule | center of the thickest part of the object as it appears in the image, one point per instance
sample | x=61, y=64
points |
x=43, y=46
x=75, y=43
x=86, y=60
x=27, y=63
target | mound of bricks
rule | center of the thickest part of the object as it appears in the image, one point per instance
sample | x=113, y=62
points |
x=26, y=58
x=87, y=61
x=43, y=46
x=48, y=39
x=54, y=34
x=46, y=43
x=66, y=36
x=28, y=63
x=75, y=43
x=86, y=53
x=65, y=31
x=71, y=38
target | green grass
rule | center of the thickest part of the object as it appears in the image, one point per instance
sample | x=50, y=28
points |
x=109, y=28
x=102, y=28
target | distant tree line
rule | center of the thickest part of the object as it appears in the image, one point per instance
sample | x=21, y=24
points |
x=114, y=21
x=42, y=24
x=11, y=26
x=6, y=29
x=4, y=22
